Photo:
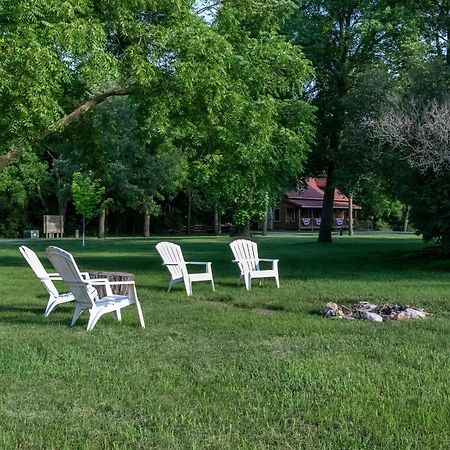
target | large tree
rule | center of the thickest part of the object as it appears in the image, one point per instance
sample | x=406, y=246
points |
x=135, y=170
x=413, y=129
x=344, y=39
x=258, y=128
x=225, y=92
x=61, y=59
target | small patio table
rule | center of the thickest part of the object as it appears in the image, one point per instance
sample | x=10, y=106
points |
x=119, y=289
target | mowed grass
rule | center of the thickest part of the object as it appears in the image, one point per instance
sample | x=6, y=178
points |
x=231, y=369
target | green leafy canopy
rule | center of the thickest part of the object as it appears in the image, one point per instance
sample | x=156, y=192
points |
x=88, y=195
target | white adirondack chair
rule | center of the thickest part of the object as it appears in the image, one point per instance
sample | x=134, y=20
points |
x=55, y=298
x=173, y=259
x=86, y=295
x=246, y=256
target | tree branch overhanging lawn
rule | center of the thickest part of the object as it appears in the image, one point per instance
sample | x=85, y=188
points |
x=66, y=120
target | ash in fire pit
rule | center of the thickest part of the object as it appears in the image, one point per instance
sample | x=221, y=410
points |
x=373, y=313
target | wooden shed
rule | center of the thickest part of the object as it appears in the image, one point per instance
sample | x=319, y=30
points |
x=301, y=209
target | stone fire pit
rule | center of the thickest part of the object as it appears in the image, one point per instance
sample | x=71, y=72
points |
x=373, y=313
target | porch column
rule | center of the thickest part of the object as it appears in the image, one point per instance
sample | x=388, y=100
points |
x=350, y=213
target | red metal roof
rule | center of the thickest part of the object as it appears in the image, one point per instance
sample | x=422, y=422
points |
x=312, y=196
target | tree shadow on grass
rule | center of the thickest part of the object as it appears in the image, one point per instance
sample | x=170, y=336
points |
x=32, y=319
x=14, y=261
x=34, y=315
x=36, y=310
x=24, y=315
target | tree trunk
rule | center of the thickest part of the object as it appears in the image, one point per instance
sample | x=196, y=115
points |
x=240, y=230
x=217, y=227
x=247, y=229
x=62, y=206
x=350, y=215
x=327, y=208
x=406, y=217
x=101, y=225
x=41, y=198
x=84, y=231
x=447, y=56
x=188, y=231
x=146, y=223
x=265, y=223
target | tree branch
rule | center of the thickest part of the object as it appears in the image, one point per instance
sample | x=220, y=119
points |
x=208, y=8
x=85, y=107
x=13, y=153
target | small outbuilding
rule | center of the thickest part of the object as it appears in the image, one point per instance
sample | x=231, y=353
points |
x=301, y=209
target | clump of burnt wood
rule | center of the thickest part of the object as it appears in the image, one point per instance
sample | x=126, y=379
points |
x=372, y=312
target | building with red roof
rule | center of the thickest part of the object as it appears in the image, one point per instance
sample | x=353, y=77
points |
x=301, y=209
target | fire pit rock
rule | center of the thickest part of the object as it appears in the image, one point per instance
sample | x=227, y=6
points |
x=373, y=313
x=371, y=316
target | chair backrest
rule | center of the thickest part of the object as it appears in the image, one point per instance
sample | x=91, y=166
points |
x=66, y=266
x=171, y=253
x=39, y=270
x=246, y=253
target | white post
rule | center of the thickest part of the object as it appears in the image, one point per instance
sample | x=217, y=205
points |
x=350, y=213
x=84, y=226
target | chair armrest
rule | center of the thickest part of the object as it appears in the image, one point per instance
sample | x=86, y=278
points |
x=50, y=279
x=54, y=277
x=269, y=260
x=122, y=282
x=97, y=281
x=198, y=263
x=57, y=276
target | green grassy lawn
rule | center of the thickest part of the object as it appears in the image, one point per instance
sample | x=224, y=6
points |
x=231, y=369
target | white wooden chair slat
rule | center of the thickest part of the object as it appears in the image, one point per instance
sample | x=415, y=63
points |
x=55, y=298
x=173, y=259
x=86, y=295
x=245, y=254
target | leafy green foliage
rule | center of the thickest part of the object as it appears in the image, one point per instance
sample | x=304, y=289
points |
x=431, y=208
x=138, y=172
x=411, y=131
x=22, y=180
x=88, y=195
x=379, y=204
x=45, y=48
x=252, y=128
x=226, y=93
x=355, y=48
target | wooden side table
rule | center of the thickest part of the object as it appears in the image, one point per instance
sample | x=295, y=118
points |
x=119, y=289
